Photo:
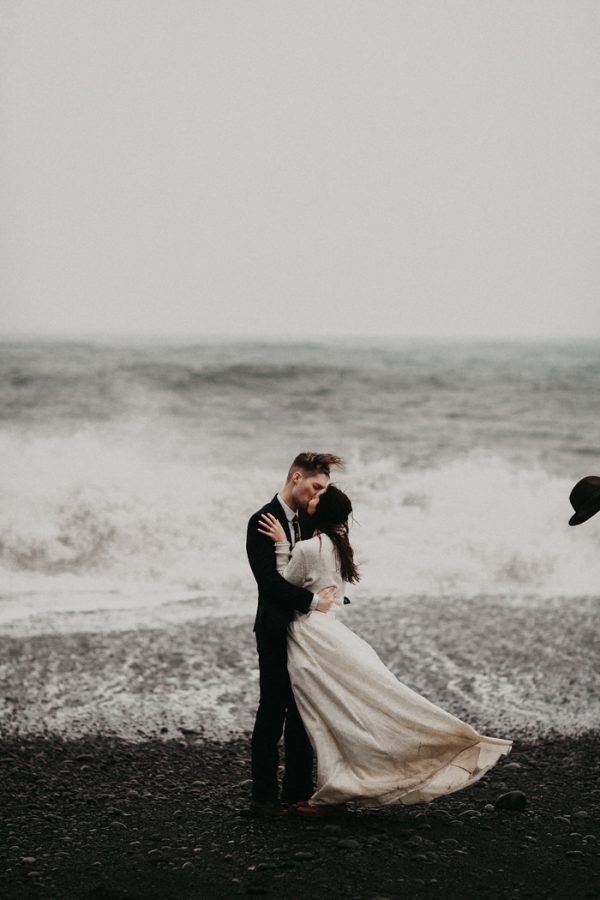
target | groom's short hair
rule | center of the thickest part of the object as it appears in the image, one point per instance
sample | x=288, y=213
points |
x=315, y=462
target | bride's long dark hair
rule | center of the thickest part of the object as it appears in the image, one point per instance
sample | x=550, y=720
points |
x=331, y=518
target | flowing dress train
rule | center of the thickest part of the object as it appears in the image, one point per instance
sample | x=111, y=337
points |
x=377, y=742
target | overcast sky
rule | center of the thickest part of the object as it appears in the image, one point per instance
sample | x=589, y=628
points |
x=304, y=169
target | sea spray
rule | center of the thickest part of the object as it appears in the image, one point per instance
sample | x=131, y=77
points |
x=131, y=515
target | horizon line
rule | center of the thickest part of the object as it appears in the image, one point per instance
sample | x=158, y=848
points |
x=217, y=338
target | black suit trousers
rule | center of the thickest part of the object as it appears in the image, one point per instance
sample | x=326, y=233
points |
x=277, y=713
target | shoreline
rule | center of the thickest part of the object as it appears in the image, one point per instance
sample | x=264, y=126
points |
x=103, y=817
x=511, y=669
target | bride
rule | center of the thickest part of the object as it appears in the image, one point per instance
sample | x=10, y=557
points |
x=377, y=741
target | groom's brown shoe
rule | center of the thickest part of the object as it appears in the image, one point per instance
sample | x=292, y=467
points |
x=315, y=812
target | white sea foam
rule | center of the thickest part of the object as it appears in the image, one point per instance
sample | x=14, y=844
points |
x=95, y=521
x=512, y=668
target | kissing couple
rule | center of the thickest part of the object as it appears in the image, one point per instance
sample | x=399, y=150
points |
x=377, y=742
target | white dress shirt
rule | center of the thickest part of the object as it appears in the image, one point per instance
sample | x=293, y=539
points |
x=290, y=514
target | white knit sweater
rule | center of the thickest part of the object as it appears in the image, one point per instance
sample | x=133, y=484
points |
x=313, y=565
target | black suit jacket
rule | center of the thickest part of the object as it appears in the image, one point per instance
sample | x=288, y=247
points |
x=277, y=598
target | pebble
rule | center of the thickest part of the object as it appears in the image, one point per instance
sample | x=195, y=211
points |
x=302, y=854
x=513, y=800
x=28, y=859
x=348, y=844
x=512, y=765
x=562, y=819
x=187, y=865
x=469, y=814
x=442, y=814
x=489, y=808
x=580, y=814
x=574, y=853
x=414, y=841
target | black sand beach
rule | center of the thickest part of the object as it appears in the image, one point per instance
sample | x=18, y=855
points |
x=115, y=781
x=100, y=817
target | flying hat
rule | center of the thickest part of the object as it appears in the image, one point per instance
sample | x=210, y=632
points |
x=585, y=499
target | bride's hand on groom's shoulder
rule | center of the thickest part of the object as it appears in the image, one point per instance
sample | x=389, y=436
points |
x=272, y=527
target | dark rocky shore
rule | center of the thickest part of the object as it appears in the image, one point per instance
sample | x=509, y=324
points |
x=102, y=818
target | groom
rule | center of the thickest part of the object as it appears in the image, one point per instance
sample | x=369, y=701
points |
x=277, y=712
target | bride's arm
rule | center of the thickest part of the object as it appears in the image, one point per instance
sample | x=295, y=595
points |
x=292, y=569
x=290, y=566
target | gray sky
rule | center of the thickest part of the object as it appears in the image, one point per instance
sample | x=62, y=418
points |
x=302, y=169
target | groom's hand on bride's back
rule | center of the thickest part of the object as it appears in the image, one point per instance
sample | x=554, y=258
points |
x=326, y=599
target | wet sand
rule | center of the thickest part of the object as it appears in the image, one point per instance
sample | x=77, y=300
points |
x=510, y=667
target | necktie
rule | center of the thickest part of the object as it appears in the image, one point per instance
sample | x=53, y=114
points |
x=296, y=527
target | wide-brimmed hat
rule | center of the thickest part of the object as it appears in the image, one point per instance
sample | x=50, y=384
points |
x=585, y=499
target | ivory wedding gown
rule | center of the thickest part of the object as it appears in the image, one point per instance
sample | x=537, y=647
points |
x=376, y=741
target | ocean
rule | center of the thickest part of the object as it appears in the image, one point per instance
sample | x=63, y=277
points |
x=129, y=471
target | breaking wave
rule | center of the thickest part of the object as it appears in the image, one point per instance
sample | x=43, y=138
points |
x=90, y=507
